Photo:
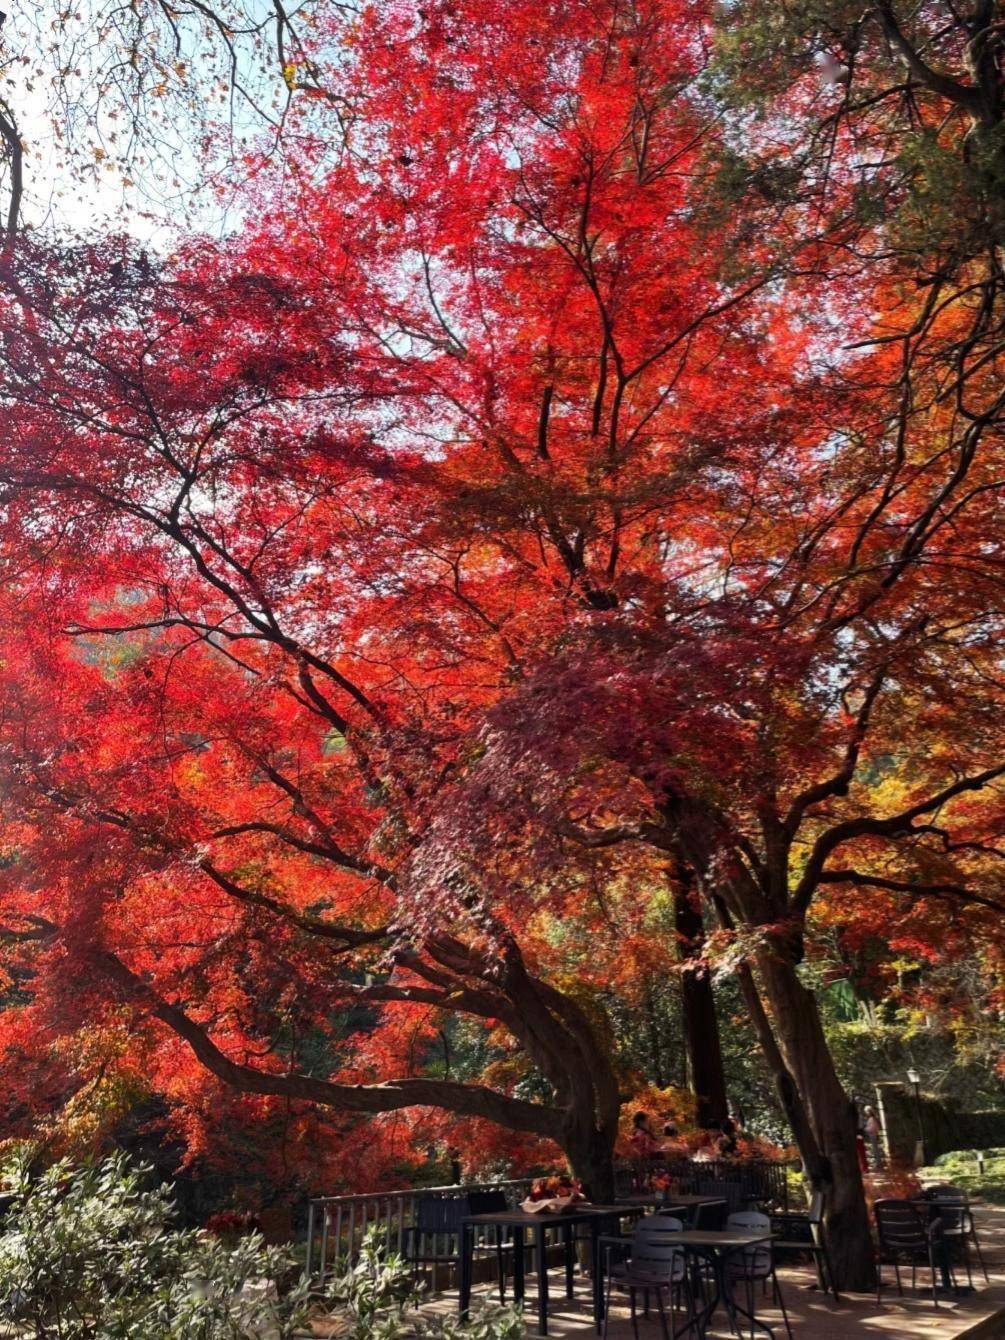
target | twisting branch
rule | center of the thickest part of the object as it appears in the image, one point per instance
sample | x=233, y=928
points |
x=946, y=891
x=932, y=79
x=892, y=826
x=840, y=781
x=12, y=141
x=465, y=1099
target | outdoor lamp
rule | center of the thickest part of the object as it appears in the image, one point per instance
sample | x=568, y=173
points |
x=914, y=1079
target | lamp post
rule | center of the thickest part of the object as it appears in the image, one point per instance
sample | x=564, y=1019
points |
x=914, y=1079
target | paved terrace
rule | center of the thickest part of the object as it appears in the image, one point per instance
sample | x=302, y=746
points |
x=813, y=1316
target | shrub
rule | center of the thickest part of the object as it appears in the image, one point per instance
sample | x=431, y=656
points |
x=91, y=1253
x=377, y=1299
x=961, y=1168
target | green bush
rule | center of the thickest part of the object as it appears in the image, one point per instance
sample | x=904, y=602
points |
x=960, y=1168
x=92, y=1254
x=378, y=1296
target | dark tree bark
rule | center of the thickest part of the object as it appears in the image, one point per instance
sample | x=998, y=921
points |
x=797, y=1025
x=582, y=1119
x=702, y=1044
x=827, y=1136
x=815, y=1166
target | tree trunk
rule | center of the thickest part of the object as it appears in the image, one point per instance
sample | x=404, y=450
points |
x=653, y=1029
x=800, y=1035
x=591, y=1157
x=705, y=1075
x=815, y=1167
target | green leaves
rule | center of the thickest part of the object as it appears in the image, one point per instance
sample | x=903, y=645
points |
x=377, y=1299
x=91, y=1254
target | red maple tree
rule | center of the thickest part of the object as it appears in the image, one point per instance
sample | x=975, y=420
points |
x=500, y=529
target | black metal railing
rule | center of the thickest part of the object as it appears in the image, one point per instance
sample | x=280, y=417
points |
x=336, y=1225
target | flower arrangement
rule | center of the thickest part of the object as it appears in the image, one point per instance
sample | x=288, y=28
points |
x=553, y=1193
x=667, y=1186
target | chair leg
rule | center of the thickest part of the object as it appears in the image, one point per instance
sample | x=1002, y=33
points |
x=829, y=1271
x=750, y=1306
x=690, y=1301
x=896, y=1271
x=879, y=1276
x=935, y=1285
x=950, y=1268
x=980, y=1255
x=501, y=1266
x=818, y=1262
x=662, y=1311
x=635, y=1320
x=781, y=1302
x=607, y=1300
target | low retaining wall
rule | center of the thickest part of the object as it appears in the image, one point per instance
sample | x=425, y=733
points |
x=942, y=1124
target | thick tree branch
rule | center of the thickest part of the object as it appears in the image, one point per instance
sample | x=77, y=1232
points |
x=892, y=826
x=937, y=82
x=465, y=1099
x=839, y=782
x=946, y=891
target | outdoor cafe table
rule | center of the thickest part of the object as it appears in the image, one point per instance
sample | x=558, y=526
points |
x=657, y=1200
x=715, y=1248
x=597, y=1217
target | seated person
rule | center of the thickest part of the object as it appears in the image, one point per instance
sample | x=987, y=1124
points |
x=727, y=1144
x=643, y=1137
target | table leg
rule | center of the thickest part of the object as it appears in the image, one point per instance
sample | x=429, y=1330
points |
x=597, y=1273
x=570, y=1261
x=518, y=1267
x=732, y=1307
x=465, y=1282
x=699, y=1322
x=542, y=1280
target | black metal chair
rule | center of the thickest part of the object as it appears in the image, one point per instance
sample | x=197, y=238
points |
x=654, y=1266
x=435, y=1237
x=798, y=1234
x=958, y=1228
x=731, y=1192
x=902, y=1234
x=710, y=1217
x=488, y=1202
x=755, y=1264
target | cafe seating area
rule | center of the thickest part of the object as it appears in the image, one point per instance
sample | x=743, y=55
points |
x=706, y=1251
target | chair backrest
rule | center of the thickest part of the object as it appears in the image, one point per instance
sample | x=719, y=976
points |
x=815, y=1214
x=790, y=1227
x=757, y=1259
x=900, y=1225
x=486, y=1202
x=441, y=1214
x=660, y=1223
x=730, y=1192
x=946, y=1192
x=653, y=1253
x=711, y=1217
x=624, y=1180
x=952, y=1206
